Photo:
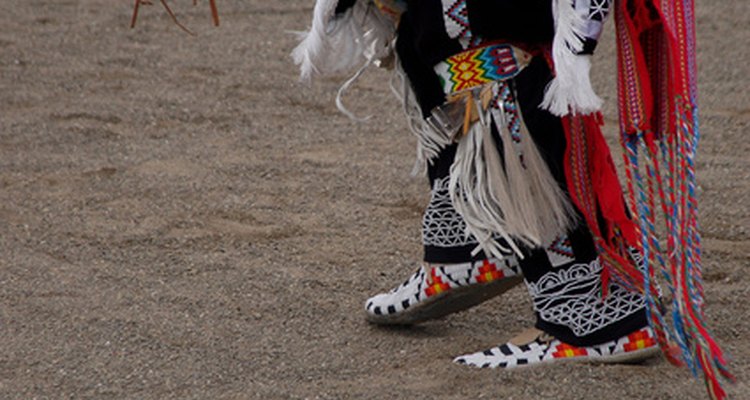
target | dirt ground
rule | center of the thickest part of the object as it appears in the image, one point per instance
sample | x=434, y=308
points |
x=179, y=219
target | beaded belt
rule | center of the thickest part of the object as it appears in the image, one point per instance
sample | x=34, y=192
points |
x=476, y=67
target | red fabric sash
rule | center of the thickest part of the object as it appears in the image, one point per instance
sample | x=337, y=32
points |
x=659, y=133
x=595, y=190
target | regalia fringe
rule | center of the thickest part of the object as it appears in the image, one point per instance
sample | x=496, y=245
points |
x=509, y=200
x=570, y=92
x=659, y=133
x=352, y=41
x=543, y=191
x=477, y=186
x=429, y=141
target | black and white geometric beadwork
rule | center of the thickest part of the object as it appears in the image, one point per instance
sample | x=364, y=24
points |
x=560, y=252
x=399, y=298
x=571, y=296
x=633, y=347
x=442, y=226
x=430, y=281
x=595, y=13
x=456, y=18
x=507, y=356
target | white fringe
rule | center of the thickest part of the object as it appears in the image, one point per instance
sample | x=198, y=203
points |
x=341, y=43
x=429, y=141
x=502, y=198
x=535, y=190
x=357, y=39
x=340, y=94
x=477, y=189
x=570, y=92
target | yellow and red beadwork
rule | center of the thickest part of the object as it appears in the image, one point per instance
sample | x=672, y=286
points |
x=435, y=285
x=489, y=272
x=564, y=350
x=479, y=66
x=639, y=340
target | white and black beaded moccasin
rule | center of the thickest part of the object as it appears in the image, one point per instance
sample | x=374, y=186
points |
x=438, y=290
x=534, y=347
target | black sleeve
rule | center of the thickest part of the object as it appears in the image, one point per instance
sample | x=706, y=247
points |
x=344, y=5
x=525, y=21
x=422, y=77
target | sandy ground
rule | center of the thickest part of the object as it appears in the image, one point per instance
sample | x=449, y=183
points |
x=179, y=219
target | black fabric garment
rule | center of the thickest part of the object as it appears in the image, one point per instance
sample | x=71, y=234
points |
x=422, y=42
x=520, y=21
x=430, y=40
x=545, y=129
x=547, y=132
x=422, y=77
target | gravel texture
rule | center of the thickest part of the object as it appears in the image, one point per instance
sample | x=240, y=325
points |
x=179, y=219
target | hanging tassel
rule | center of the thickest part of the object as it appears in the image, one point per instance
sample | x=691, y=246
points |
x=570, y=92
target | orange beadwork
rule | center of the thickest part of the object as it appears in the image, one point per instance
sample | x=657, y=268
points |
x=436, y=285
x=564, y=350
x=488, y=272
x=639, y=340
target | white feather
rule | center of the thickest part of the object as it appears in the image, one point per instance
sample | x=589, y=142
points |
x=343, y=42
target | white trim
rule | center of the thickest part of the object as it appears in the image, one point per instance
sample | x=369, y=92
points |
x=570, y=92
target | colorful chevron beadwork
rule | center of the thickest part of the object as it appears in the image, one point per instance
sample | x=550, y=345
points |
x=476, y=67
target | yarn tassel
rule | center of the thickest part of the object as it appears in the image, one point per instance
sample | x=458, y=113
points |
x=570, y=92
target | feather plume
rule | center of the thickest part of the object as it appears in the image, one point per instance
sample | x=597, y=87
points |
x=338, y=43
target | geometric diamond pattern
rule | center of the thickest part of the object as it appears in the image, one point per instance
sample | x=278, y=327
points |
x=456, y=18
x=479, y=66
x=442, y=226
x=571, y=296
x=560, y=252
x=636, y=346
